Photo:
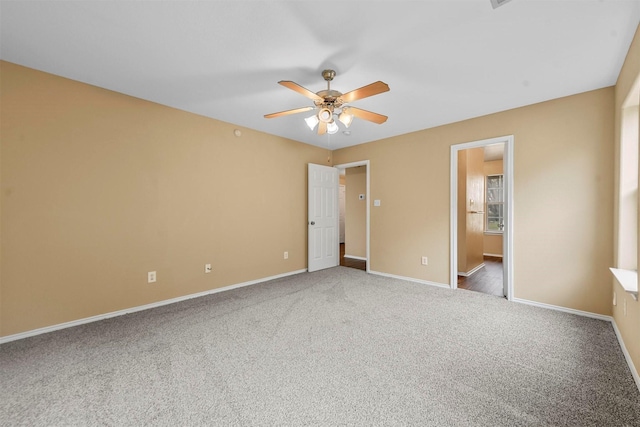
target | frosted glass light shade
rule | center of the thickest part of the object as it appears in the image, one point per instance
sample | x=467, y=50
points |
x=332, y=127
x=312, y=121
x=345, y=118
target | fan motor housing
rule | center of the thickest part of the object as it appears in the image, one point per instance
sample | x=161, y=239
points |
x=329, y=97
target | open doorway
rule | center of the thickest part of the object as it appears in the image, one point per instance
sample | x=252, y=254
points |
x=481, y=219
x=481, y=212
x=354, y=215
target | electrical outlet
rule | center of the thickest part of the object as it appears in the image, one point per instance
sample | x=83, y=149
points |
x=615, y=299
x=207, y=268
x=425, y=260
x=286, y=255
x=151, y=277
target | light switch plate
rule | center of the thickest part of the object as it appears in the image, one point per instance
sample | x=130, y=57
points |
x=376, y=203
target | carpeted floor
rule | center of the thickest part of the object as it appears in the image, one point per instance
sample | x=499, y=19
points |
x=334, y=347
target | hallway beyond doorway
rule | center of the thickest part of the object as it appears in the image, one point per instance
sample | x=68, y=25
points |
x=350, y=262
x=487, y=280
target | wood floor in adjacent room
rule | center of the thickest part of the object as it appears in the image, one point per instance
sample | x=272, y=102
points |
x=487, y=280
x=350, y=262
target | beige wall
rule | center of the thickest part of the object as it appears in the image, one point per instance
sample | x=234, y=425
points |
x=99, y=188
x=410, y=175
x=470, y=201
x=493, y=242
x=493, y=167
x=356, y=212
x=492, y=245
x=628, y=325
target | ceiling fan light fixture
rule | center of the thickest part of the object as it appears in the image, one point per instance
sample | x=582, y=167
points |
x=312, y=121
x=326, y=102
x=325, y=115
x=345, y=117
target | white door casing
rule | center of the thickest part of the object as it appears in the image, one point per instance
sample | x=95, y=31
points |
x=323, y=218
x=507, y=236
x=367, y=164
x=342, y=212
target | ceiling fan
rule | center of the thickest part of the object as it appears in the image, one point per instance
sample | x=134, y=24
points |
x=331, y=102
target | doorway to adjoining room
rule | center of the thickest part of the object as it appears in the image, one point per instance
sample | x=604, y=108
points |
x=353, y=217
x=481, y=207
x=481, y=219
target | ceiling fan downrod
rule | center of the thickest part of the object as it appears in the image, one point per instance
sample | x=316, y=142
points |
x=330, y=98
x=328, y=75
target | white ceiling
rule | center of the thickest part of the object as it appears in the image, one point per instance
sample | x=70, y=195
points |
x=494, y=152
x=445, y=61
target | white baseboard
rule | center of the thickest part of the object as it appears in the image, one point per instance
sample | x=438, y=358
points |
x=470, y=272
x=410, y=279
x=99, y=317
x=627, y=356
x=91, y=319
x=494, y=255
x=564, y=309
x=355, y=257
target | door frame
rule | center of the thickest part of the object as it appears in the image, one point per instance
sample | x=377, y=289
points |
x=507, y=236
x=341, y=205
x=368, y=198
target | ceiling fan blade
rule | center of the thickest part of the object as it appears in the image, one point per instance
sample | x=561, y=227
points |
x=365, y=92
x=301, y=90
x=322, y=128
x=286, y=113
x=368, y=115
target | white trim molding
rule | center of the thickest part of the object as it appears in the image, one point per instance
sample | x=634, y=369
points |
x=366, y=163
x=355, y=257
x=628, y=279
x=627, y=356
x=411, y=279
x=109, y=315
x=564, y=309
x=507, y=242
x=470, y=272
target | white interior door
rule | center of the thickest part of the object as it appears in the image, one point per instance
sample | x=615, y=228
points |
x=323, y=217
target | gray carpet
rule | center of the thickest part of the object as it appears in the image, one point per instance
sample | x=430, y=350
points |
x=334, y=347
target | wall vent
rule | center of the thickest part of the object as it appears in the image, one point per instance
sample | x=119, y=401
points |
x=497, y=3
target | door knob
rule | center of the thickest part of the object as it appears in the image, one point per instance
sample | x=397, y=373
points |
x=312, y=223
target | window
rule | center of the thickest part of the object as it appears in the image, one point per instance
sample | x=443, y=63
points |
x=628, y=190
x=495, y=204
x=627, y=198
